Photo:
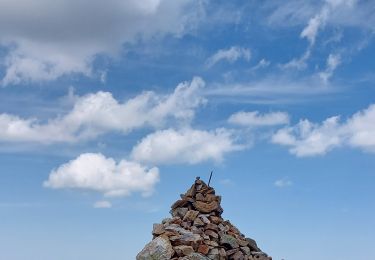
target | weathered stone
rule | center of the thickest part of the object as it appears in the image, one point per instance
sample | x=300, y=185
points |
x=227, y=240
x=216, y=220
x=180, y=203
x=212, y=227
x=211, y=243
x=183, y=250
x=242, y=242
x=160, y=248
x=195, y=256
x=211, y=233
x=245, y=250
x=198, y=222
x=253, y=245
x=204, y=219
x=237, y=256
x=158, y=229
x=203, y=249
x=179, y=212
x=206, y=207
x=191, y=215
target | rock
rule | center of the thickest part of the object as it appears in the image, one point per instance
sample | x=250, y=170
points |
x=183, y=250
x=253, y=245
x=203, y=249
x=191, y=215
x=237, y=256
x=197, y=231
x=205, y=207
x=179, y=212
x=195, y=256
x=160, y=248
x=228, y=241
x=158, y=229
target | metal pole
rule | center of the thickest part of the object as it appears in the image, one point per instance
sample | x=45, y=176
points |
x=210, y=178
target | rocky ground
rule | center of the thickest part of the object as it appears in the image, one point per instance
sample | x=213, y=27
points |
x=197, y=231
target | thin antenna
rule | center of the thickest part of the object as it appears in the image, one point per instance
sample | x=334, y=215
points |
x=210, y=178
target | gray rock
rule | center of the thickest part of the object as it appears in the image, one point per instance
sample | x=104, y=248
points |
x=160, y=248
x=195, y=256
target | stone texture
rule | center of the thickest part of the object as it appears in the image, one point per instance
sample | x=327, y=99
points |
x=197, y=231
x=160, y=248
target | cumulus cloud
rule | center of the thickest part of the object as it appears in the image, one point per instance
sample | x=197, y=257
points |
x=102, y=204
x=333, y=61
x=255, y=119
x=95, y=172
x=310, y=139
x=185, y=146
x=231, y=55
x=46, y=40
x=99, y=113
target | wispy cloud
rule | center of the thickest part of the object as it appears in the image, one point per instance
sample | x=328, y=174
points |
x=230, y=55
x=255, y=119
x=102, y=204
x=333, y=61
x=283, y=183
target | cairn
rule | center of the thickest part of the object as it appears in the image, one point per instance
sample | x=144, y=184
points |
x=197, y=231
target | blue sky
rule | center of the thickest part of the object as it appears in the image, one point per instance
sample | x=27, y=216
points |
x=109, y=110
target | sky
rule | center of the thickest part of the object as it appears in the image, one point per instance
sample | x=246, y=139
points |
x=110, y=109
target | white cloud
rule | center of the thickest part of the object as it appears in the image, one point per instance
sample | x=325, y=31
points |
x=263, y=63
x=231, y=55
x=298, y=63
x=48, y=39
x=310, y=139
x=283, y=183
x=255, y=119
x=185, y=146
x=333, y=61
x=95, y=172
x=99, y=113
x=102, y=204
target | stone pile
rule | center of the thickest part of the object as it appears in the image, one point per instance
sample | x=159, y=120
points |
x=197, y=231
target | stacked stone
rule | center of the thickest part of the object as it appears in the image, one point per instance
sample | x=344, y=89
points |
x=197, y=231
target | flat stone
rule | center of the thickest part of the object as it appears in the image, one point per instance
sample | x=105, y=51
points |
x=245, y=250
x=211, y=243
x=180, y=203
x=212, y=226
x=158, y=229
x=183, y=250
x=253, y=245
x=194, y=256
x=179, y=212
x=191, y=215
x=216, y=220
x=237, y=256
x=204, y=219
x=160, y=248
x=198, y=222
x=203, y=249
x=206, y=207
x=229, y=241
x=211, y=233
